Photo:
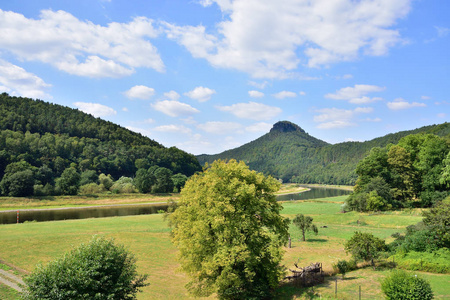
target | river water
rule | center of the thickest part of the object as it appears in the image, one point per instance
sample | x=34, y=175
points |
x=40, y=215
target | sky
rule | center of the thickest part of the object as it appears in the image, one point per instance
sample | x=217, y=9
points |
x=210, y=75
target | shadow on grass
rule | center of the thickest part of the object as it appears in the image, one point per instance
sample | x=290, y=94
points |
x=292, y=290
x=317, y=240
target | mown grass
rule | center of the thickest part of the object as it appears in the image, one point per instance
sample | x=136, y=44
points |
x=7, y=293
x=148, y=237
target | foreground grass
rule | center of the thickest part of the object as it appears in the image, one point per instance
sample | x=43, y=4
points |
x=148, y=237
x=18, y=203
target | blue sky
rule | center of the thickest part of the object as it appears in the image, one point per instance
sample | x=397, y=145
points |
x=210, y=75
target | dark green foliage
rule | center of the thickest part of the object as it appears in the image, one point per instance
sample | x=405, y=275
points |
x=365, y=246
x=144, y=180
x=99, y=269
x=179, y=181
x=400, y=285
x=18, y=184
x=437, y=220
x=409, y=174
x=304, y=223
x=18, y=180
x=69, y=182
x=89, y=176
x=289, y=153
x=163, y=183
x=52, y=138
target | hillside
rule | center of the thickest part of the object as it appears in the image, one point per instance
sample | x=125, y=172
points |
x=55, y=137
x=289, y=153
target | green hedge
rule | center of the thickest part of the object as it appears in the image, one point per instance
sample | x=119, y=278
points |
x=436, y=262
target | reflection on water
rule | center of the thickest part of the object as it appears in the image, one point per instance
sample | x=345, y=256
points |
x=79, y=213
x=126, y=210
x=314, y=193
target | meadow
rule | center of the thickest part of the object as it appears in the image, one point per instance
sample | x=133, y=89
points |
x=148, y=237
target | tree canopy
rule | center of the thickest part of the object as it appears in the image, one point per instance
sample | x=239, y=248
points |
x=229, y=232
x=99, y=269
x=412, y=173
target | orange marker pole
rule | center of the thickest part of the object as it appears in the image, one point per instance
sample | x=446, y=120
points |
x=17, y=217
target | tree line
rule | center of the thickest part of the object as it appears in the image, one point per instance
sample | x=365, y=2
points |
x=45, y=147
x=413, y=173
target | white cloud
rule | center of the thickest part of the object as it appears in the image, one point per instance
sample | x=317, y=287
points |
x=173, y=129
x=81, y=47
x=259, y=85
x=357, y=94
x=220, y=127
x=375, y=120
x=259, y=127
x=270, y=39
x=442, y=31
x=144, y=132
x=200, y=93
x=255, y=94
x=302, y=93
x=174, y=108
x=252, y=110
x=400, y=103
x=285, y=94
x=95, y=109
x=330, y=118
x=425, y=97
x=125, y=109
x=140, y=92
x=18, y=82
x=172, y=95
x=441, y=115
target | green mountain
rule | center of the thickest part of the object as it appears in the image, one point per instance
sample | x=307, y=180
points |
x=289, y=153
x=55, y=137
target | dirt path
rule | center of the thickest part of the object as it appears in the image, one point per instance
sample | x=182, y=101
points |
x=11, y=280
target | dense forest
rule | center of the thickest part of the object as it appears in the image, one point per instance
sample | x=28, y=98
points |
x=413, y=173
x=289, y=153
x=40, y=142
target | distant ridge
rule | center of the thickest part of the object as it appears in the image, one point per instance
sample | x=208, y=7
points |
x=57, y=137
x=289, y=153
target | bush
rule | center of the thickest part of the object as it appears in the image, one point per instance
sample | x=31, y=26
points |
x=92, y=188
x=123, y=185
x=435, y=262
x=96, y=270
x=400, y=285
x=341, y=267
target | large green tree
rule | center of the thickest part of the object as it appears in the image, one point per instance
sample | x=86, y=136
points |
x=99, y=269
x=229, y=232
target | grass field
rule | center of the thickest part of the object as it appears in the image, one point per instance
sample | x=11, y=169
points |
x=148, y=237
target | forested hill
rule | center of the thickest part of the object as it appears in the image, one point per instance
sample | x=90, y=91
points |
x=289, y=153
x=36, y=116
x=54, y=137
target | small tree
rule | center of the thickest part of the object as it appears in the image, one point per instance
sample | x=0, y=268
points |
x=365, y=246
x=400, y=285
x=342, y=267
x=96, y=270
x=69, y=182
x=304, y=223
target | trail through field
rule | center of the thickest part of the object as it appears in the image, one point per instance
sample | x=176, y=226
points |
x=11, y=280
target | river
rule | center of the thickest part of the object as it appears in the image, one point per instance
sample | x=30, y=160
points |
x=40, y=215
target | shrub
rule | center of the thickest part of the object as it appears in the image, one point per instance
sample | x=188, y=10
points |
x=96, y=270
x=342, y=267
x=92, y=188
x=400, y=285
x=435, y=262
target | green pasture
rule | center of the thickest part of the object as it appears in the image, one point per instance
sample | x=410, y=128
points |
x=148, y=237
